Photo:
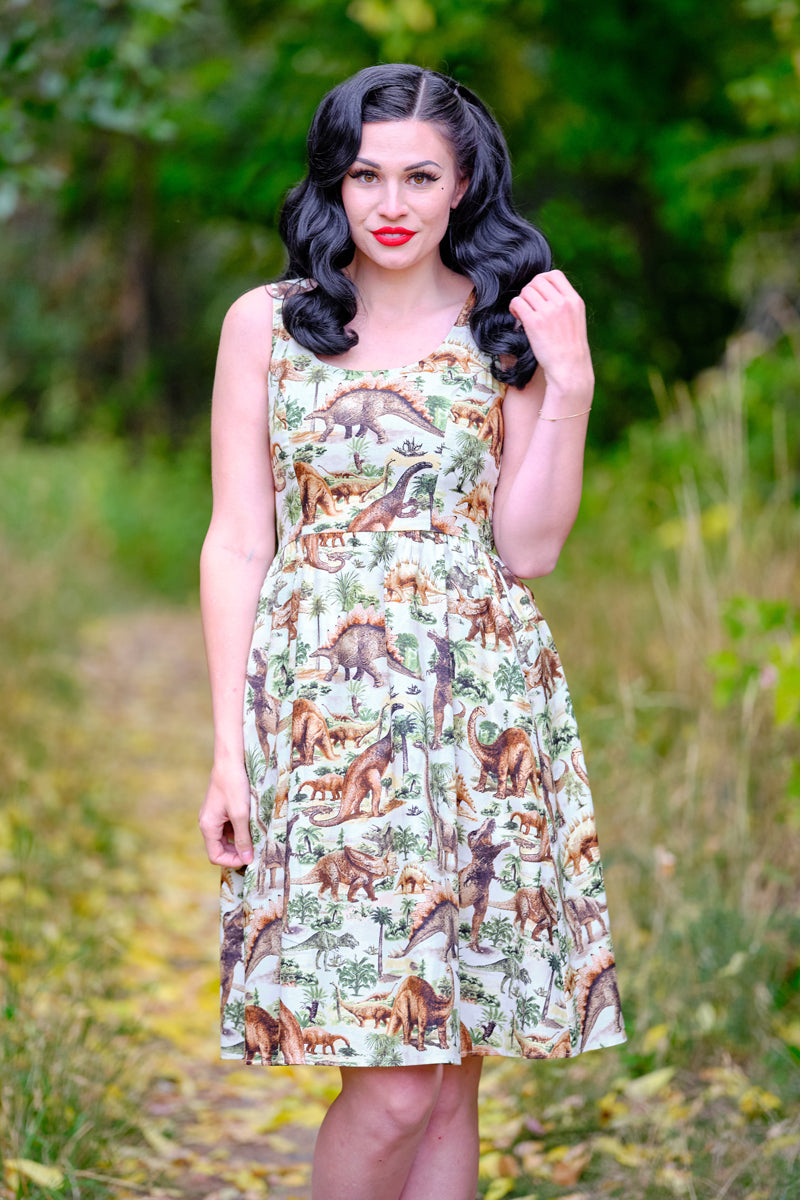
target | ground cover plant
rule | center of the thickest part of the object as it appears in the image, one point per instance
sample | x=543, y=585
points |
x=675, y=606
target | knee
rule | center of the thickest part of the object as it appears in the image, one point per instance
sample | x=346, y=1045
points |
x=458, y=1094
x=398, y=1102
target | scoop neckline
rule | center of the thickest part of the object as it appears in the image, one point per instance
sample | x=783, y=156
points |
x=465, y=307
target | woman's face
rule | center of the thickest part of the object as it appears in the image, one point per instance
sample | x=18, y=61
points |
x=399, y=192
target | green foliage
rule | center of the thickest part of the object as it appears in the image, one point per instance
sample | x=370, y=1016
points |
x=763, y=652
x=674, y=607
x=145, y=148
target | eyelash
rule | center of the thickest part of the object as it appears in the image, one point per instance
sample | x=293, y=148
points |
x=426, y=175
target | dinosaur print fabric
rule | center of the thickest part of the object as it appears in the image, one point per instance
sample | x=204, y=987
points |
x=426, y=881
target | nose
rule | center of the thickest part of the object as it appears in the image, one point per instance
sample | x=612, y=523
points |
x=392, y=202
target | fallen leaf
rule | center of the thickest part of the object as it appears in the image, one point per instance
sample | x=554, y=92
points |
x=646, y=1086
x=499, y=1188
x=654, y=1038
x=570, y=1168
x=44, y=1176
x=625, y=1155
x=756, y=1102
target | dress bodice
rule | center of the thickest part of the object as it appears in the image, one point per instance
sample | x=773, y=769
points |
x=406, y=448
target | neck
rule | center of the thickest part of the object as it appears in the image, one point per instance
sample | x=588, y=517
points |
x=398, y=294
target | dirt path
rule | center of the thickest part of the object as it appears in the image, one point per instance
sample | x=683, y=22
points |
x=217, y=1130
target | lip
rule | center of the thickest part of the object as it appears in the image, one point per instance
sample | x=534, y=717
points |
x=393, y=235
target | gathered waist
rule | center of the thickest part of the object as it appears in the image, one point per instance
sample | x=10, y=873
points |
x=469, y=534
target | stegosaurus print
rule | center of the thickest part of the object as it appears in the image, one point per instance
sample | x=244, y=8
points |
x=427, y=882
x=363, y=404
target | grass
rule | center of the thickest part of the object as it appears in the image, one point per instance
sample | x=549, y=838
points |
x=682, y=644
x=675, y=609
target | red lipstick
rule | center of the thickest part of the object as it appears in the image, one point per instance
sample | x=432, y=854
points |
x=393, y=235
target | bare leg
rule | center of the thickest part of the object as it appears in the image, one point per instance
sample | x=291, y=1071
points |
x=371, y=1132
x=446, y=1163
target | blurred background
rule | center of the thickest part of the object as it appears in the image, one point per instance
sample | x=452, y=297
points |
x=145, y=148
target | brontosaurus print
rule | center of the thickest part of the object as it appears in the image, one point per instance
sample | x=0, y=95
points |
x=419, y=802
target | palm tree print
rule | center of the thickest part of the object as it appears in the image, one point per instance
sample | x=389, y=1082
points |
x=424, y=491
x=382, y=550
x=384, y=780
x=358, y=974
x=317, y=607
x=509, y=678
x=348, y=590
x=468, y=460
x=317, y=375
x=382, y=917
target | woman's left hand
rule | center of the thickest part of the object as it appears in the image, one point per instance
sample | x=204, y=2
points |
x=554, y=319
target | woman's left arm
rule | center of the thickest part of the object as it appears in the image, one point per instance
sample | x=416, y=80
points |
x=541, y=472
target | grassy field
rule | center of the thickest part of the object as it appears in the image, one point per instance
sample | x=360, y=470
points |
x=675, y=608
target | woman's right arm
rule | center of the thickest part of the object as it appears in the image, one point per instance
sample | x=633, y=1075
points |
x=238, y=548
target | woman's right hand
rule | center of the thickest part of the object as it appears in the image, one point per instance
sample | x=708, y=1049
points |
x=225, y=818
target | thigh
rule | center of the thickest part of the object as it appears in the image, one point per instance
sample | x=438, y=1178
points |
x=377, y=1084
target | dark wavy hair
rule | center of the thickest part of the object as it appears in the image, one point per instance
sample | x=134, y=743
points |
x=487, y=240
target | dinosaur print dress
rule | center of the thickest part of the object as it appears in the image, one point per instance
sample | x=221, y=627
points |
x=426, y=881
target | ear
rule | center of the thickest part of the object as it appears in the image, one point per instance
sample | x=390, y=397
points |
x=461, y=188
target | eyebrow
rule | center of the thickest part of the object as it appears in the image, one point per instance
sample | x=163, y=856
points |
x=428, y=162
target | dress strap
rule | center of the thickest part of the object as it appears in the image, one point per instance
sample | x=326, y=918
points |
x=276, y=292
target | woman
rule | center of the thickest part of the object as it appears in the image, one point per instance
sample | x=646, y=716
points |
x=409, y=409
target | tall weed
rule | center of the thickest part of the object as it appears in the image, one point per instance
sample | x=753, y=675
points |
x=677, y=604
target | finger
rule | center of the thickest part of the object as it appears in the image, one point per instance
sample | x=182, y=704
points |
x=226, y=858
x=524, y=312
x=220, y=848
x=542, y=288
x=240, y=821
x=558, y=280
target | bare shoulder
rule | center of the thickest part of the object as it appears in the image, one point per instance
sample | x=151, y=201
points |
x=248, y=323
x=243, y=359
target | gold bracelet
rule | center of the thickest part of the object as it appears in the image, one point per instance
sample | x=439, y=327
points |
x=566, y=416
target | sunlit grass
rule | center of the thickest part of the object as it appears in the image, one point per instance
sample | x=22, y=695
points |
x=675, y=610
x=676, y=603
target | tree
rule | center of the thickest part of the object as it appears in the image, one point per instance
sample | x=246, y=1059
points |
x=317, y=375
x=462, y=650
x=403, y=726
x=492, y=1012
x=423, y=722
x=292, y=505
x=382, y=548
x=404, y=841
x=407, y=906
x=424, y=489
x=356, y=690
x=498, y=931
x=347, y=589
x=554, y=962
x=385, y=1051
x=358, y=973
x=314, y=993
x=382, y=916
x=255, y=765
x=304, y=906
x=438, y=405
x=316, y=608
x=510, y=679
x=526, y=1011
x=468, y=459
